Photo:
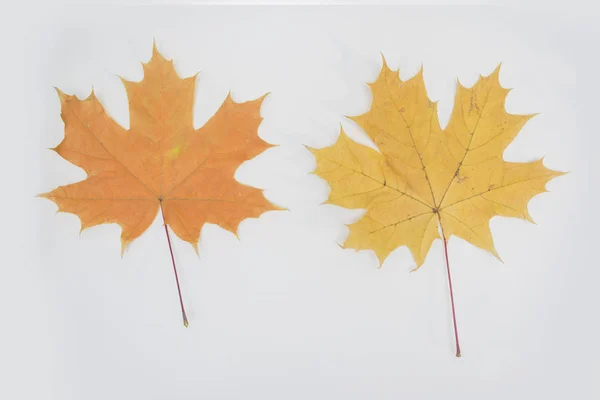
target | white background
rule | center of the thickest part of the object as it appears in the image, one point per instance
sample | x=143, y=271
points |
x=285, y=313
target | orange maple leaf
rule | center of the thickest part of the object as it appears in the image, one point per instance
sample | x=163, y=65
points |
x=161, y=162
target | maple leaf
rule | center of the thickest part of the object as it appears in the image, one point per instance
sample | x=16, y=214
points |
x=161, y=162
x=424, y=179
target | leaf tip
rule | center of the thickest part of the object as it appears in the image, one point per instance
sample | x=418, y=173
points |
x=260, y=100
x=61, y=95
x=497, y=69
x=125, y=82
x=420, y=71
x=312, y=150
x=416, y=268
x=156, y=57
x=155, y=52
x=124, y=244
x=527, y=217
x=384, y=63
x=555, y=174
x=494, y=252
x=494, y=76
x=384, y=67
x=92, y=94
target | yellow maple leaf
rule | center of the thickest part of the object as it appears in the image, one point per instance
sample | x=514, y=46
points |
x=161, y=162
x=425, y=177
x=426, y=180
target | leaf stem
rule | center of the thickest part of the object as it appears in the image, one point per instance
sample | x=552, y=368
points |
x=185, y=320
x=451, y=291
